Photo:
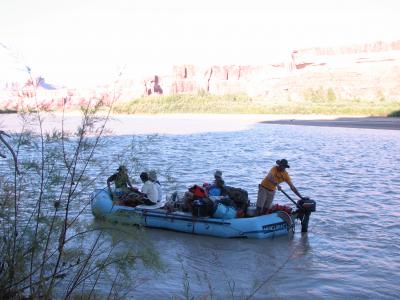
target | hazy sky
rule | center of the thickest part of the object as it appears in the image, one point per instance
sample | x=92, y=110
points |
x=80, y=41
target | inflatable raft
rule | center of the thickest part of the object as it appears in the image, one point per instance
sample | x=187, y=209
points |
x=260, y=227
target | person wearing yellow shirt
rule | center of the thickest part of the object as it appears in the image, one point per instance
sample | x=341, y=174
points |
x=267, y=188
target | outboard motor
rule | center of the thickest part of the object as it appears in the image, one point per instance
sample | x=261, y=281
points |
x=306, y=207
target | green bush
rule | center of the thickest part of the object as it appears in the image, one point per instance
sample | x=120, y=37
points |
x=188, y=103
x=315, y=101
x=314, y=95
x=7, y=111
x=394, y=114
x=330, y=95
x=319, y=95
x=46, y=251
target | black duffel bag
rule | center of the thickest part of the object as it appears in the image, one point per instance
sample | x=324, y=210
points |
x=238, y=196
x=202, y=207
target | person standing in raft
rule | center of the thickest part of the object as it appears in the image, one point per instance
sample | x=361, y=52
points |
x=267, y=188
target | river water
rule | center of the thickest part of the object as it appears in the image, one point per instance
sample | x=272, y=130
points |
x=352, y=249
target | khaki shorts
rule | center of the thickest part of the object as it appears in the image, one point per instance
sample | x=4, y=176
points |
x=264, y=197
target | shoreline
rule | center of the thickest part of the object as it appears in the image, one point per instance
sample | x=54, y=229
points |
x=123, y=124
x=384, y=123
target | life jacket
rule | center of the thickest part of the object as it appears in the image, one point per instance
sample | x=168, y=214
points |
x=197, y=191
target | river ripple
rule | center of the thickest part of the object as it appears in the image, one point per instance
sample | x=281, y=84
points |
x=352, y=247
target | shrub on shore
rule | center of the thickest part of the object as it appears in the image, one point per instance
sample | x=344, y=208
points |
x=7, y=111
x=189, y=103
x=46, y=251
x=315, y=102
x=394, y=114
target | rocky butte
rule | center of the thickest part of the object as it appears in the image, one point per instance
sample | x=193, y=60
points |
x=367, y=71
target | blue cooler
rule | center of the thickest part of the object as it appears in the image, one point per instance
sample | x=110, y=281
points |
x=224, y=212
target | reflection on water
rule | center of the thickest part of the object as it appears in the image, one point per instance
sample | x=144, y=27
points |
x=351, y=250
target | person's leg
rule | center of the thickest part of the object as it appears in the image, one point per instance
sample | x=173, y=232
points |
x=261, y=196
x=147, y=201
x=269, y=197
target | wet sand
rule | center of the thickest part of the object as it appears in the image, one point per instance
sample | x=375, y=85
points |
x=198, y=123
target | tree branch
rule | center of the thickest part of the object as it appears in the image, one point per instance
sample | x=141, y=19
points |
x=11, y=150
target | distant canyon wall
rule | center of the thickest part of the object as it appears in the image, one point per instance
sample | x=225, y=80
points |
x=364, y=71
x=369, y=71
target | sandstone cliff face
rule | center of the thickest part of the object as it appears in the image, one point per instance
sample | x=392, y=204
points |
x=361, y=71
x=369, y=71
x=378, y=46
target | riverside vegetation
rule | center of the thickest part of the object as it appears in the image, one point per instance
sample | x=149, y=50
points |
x=313, y=101
x=46, y=252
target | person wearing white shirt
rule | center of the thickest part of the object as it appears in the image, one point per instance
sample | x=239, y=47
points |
x=149, y=188
x=153, y=178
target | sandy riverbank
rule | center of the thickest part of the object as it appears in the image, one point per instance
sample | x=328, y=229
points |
x=197, y=123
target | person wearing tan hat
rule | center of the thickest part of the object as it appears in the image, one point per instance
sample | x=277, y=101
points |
x=120, y=179
x=218, y=179
x=267, y=188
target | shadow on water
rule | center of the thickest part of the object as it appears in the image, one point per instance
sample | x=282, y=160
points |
x=204, y=265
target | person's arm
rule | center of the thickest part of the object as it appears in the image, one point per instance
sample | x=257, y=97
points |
x=129, y=183
x=109, y=180
x=293, y=188
x=291, y=185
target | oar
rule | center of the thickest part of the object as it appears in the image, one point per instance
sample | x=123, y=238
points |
x=295, y=203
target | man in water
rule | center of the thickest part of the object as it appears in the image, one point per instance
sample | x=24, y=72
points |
x=267, y=188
